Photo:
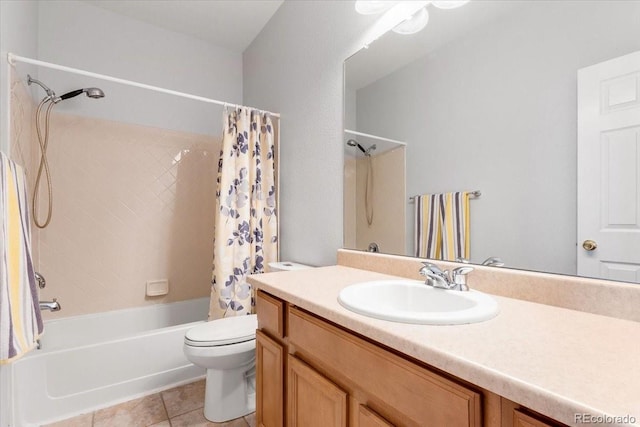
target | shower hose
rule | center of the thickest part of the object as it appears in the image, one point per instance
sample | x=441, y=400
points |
x=368, y=191
x=43, y=141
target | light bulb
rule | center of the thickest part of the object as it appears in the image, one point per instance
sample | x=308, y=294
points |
x=449, y=4
x=414, y=24
x=369, y=7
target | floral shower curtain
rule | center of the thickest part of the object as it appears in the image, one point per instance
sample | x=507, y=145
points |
x=245, y=236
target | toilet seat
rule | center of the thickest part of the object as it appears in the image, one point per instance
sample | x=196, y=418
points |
x=221, y=332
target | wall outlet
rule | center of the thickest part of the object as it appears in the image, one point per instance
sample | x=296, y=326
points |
x=157, y=288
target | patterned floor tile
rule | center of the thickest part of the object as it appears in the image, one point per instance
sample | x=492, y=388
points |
x=141, y=412
x=251, y=419
x=196, y=419
x=84, y=420
x=184, y=399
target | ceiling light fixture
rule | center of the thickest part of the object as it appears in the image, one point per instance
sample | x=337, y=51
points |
x=414, y=24
x=371, y=7
x=402, y=17
x=449, y=4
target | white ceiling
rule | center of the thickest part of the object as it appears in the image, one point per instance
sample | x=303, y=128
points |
x=231, y=24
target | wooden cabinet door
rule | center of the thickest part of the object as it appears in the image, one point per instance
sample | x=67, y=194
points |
x=521, y=419
x=313, y=400
x=415, y=395
x=367, y=418
x=269, y=382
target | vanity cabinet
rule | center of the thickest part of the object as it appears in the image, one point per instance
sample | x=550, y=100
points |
x=313, y=400
x=270, y=361
x=311, y=372
x=270, y=357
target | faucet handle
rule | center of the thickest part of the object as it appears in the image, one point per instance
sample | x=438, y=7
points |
x=460, y=277
x=434, y=268
x=493, y=262
x=42, y=282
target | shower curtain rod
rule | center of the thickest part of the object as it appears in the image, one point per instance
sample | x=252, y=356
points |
x=12, y=59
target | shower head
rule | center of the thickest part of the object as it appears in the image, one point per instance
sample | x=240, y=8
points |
x=354, y=143
x=92, y=92
x=31, y=80
x=367, y=152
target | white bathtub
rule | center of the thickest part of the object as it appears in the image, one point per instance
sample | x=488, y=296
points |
x=94, y=361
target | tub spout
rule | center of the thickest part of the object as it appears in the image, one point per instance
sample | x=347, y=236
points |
x=50, y=305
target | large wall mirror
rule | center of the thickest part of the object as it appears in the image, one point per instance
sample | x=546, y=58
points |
x=486, y=98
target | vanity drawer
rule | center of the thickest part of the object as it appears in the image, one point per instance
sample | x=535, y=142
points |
x=270, y=312
x=409, y=393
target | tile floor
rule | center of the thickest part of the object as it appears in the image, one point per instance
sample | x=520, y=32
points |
x=177, y=407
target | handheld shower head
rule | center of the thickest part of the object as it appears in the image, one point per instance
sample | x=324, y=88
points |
x=366, y=152
x=354, y=143
x=92, y=92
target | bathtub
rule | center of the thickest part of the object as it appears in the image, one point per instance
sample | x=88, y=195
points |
x=98, y=360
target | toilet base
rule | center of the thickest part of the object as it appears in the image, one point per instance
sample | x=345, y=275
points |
x=230, y=394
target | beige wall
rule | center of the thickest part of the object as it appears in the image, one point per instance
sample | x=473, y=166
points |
x=349, y=202
x=131, y=204
x=389, y=202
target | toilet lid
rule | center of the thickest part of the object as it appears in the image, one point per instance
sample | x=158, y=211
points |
x=230, y=330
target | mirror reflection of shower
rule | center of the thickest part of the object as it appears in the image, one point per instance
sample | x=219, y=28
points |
x=366, y=152
x=387, y=198
x=368, y=189
x=42, y=130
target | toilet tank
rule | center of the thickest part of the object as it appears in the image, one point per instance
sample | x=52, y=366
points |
x=287, y=266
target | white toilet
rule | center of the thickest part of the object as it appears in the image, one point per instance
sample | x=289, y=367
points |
x=227, y=349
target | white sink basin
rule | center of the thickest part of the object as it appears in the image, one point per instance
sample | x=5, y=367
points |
x=411, y=301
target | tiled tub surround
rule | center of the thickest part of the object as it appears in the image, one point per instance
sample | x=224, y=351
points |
x=22, y=149
x=554, y=360
x=22, y=126
x=131, y=204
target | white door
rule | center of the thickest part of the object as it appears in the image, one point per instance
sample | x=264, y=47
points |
x=609, y=169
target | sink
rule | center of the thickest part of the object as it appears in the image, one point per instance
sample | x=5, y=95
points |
x=412, y=301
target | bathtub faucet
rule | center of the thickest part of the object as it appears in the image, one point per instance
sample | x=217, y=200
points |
x=50, y=305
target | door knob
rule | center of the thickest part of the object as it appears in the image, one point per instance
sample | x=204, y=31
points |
x=589, y=245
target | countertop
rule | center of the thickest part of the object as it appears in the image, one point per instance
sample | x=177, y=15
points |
x=555, y=361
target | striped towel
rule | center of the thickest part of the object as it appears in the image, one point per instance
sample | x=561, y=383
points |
x=20, y=320
x=442, y=226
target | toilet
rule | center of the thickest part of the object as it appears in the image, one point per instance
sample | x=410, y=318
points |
x=226, y=348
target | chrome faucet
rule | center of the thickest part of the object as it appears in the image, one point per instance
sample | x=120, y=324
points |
x=455, y=279
x=50, y=305
x=493, y=262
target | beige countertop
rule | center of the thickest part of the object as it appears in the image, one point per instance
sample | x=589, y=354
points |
x=556, y=361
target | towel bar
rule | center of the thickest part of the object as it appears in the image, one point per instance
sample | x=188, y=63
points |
x=472, y=194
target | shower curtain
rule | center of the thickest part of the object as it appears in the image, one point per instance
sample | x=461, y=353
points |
x=245, y=236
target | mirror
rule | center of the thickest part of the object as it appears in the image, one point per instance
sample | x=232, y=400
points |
x=485, y=98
